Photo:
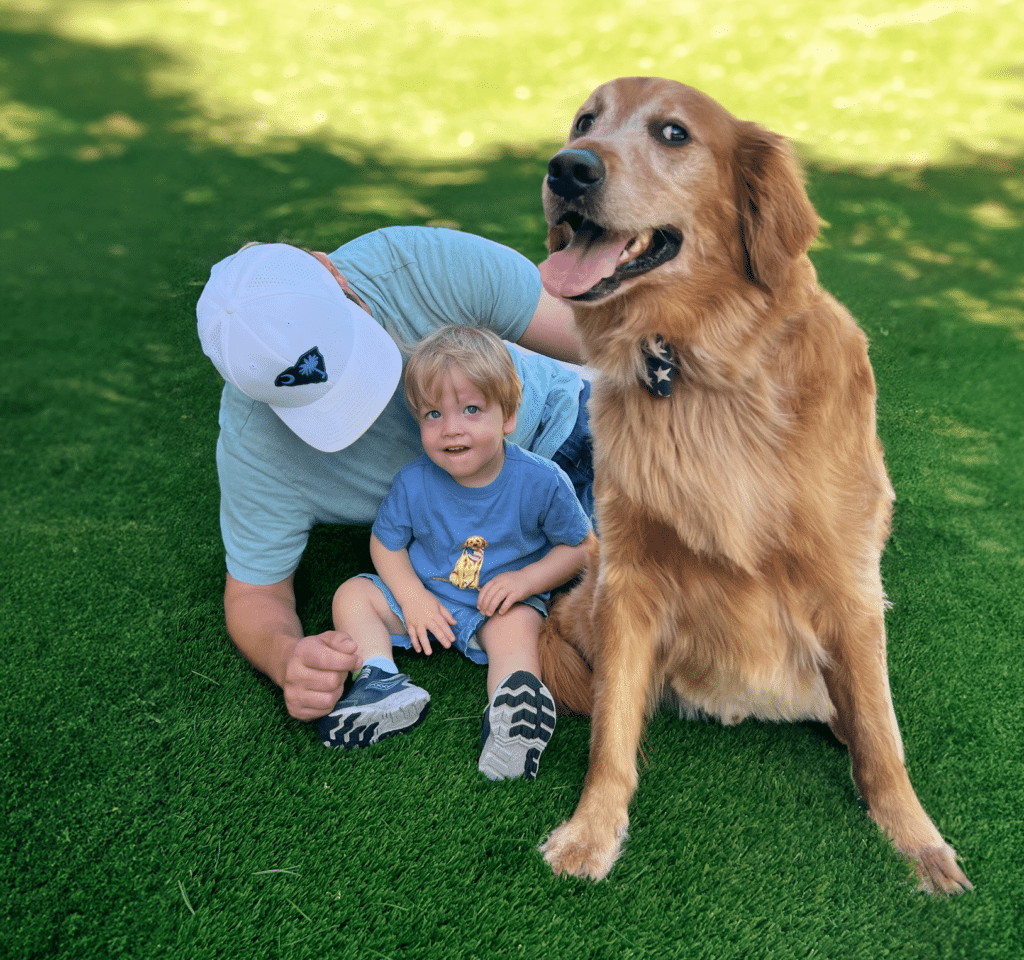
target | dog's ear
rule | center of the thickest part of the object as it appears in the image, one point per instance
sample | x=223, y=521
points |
x=776, y=219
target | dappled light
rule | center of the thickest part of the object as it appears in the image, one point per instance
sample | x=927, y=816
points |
x=157, y=795
x=197, y=128
x=168, y=134
x=865, y=83
x=889, y=222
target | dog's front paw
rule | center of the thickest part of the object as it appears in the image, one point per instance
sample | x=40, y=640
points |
x=583, y=849
x=938, y=870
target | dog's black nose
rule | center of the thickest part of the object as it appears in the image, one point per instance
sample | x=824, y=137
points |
x=574, y=172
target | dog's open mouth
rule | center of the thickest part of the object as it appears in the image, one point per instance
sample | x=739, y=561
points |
x=596, y=261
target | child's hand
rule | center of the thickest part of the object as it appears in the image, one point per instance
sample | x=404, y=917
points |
x=503, y=592
x=425, y=615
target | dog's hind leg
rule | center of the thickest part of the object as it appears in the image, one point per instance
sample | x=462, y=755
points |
x=588, y=844
x=563, y=666
x=857, y=681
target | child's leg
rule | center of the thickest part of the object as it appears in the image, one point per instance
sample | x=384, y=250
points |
x=510, y=641
x=520, y=717
x=361, y=610
x=380, y=703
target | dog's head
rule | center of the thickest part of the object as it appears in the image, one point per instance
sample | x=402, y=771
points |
x=474, y=543
x=659, y=182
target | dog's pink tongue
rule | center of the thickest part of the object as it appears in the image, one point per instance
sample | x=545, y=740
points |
x=581, y=265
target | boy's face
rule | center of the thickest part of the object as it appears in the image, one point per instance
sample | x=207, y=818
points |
x=463, y=433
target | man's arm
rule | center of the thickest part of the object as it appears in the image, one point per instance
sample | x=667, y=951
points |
x=552, y=332
x=263, y=623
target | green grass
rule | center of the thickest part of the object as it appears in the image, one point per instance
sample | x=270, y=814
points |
x=158, y=801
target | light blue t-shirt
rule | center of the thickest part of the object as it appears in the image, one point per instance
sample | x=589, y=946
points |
x=460, y=537
x=275, y=488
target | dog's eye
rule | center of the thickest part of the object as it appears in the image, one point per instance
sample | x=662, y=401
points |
x=673, y=133
x=583, y=124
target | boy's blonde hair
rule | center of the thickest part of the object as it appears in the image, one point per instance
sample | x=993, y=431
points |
x=481, y=356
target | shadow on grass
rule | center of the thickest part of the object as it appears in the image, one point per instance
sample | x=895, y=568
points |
x=116, y=205
x=118, y=199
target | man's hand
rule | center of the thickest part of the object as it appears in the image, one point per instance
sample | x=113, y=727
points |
x=263, y=624
x=315, y=673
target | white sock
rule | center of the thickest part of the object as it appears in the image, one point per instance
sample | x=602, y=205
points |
x=382, y=663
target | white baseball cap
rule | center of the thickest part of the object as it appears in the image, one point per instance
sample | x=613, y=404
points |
x=277, y=325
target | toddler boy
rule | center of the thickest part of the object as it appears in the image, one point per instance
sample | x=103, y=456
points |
x=468, y=544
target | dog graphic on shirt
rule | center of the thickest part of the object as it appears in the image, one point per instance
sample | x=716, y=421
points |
x=466, y=575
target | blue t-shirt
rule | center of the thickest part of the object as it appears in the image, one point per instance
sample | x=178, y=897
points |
x=275, y=488
x=459, y=537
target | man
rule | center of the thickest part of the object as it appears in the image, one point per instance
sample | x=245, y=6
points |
x=313, y=423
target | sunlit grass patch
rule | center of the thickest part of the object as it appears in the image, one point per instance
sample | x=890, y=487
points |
x=866, y=81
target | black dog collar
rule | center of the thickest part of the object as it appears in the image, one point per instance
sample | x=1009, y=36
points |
x=661, y=367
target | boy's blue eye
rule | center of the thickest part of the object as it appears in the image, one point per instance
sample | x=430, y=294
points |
x=472, y=408
x=431, y=415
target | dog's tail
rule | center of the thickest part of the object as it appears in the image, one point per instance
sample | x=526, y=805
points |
x=563, y=666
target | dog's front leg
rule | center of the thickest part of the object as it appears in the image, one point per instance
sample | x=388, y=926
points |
x=588, y=844
x=858, y=683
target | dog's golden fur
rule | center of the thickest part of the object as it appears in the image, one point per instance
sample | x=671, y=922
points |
x=741, y=518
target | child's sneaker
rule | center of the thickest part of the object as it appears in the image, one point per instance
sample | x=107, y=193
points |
x=517, y=727
x=378, y=705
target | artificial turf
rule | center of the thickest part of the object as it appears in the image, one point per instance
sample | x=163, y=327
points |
x=157, y=799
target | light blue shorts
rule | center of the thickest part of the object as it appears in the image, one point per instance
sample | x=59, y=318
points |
x=468, y=621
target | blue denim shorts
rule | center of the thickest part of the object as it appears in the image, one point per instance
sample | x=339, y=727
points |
x=576, y=455
x=468, y=621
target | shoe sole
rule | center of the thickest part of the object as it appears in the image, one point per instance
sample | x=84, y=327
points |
x=364, y=726
x=521, y=721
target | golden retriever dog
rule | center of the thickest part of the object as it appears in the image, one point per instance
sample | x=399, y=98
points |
x=742, y=499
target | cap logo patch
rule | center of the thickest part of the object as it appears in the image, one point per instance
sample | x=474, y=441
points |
x=309, y=368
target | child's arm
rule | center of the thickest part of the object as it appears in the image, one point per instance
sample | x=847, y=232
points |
x=558, y=566
x=422, y=612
